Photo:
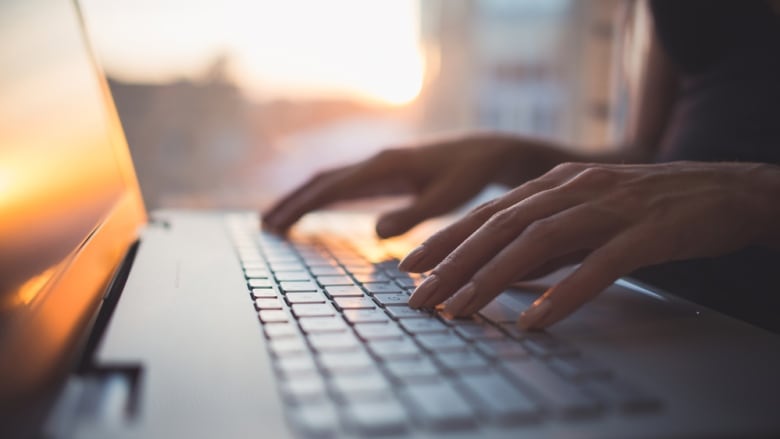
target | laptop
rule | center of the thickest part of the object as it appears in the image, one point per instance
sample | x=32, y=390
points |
x=119, y=323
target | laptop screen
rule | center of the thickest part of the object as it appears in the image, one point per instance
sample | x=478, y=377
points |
x=64, y=172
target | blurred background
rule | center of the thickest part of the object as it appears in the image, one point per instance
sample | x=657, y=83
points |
x=231, y=103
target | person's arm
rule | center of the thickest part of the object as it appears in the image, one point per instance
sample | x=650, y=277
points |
x=446, y=173
x=612, y=219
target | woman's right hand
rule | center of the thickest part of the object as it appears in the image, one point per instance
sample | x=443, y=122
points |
x=441, y=176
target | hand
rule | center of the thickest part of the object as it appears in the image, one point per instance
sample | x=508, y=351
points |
x=611, y=218
x=442, y=175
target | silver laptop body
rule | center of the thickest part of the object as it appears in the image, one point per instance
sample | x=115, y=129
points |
x=118, y=324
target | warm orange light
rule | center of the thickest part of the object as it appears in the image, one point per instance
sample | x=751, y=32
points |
x=367, y=50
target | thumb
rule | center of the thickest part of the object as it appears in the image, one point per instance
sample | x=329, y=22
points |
x=399, y=221
x=442, y=196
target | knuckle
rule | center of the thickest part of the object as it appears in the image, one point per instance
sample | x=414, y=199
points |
x=597, y=175
x=502, y=220
x=321, y=175
x=542, y=229
x=483, y=212
x=389, y=155
x=566, y=168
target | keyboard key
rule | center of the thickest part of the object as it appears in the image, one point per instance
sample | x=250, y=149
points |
x=392, y=299
x=273, y=316
x=334, y=280
x=360, y=385
x=412, y=369
x=498, y=313
x=264, y=293
x=268, y=304
x=285, y=264
x=292, y=276
x=441, y=342
x=578, y=368
x=408, y=282
x=251, y=257
x=403, y=312
x=439, y=407
x=338, y=362
x=562, y=397
x=296, y=366
x=257, y=274
x=260, y=283
x=500, y=399
x=305, y=298
x=381, y=288
x=322, y=324
x=390, y=266
x=389, y=349
x=319, y=261
x=254, y=266
x=280, y=330
x=460, y=361
x=344, y=291
x=313, y=310
x=365, y=316
x=330, y=342
x=315, y=420
x=513, y=331
x=298, y=286
x=423, y=326
x=327, y=271
x=502, y=348
x=376, y=418
x=371, y=277
x=354, y=303
x=357, y=266
x=375, y=331
x=288, y=346
x=479, y=332
x=303, y=389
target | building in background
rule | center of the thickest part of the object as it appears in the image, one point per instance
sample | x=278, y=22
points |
x=541, y=68
x=530, y=67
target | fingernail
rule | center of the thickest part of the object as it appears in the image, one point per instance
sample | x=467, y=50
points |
x=385, y=227
x=421, y=293
x=460, y=300
x=412, y=259
x=534, y=314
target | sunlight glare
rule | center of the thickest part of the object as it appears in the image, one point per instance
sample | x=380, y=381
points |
x=368, y=50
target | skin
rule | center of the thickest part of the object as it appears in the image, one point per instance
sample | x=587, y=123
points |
x=604, y=211
x=612, y=219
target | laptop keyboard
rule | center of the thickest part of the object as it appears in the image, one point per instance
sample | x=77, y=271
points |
x=352, y=358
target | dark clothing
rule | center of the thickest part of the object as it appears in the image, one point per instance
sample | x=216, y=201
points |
x=728, y=53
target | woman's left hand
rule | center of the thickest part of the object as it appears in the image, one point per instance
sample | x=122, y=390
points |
x=611, y=218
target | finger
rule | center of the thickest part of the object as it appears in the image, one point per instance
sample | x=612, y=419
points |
x=274, y=215
x=442, y=243
x=568, y=232
x=375, y=174
x=600, y=269
x=486, y=242
x=441, y=196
